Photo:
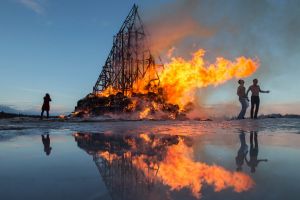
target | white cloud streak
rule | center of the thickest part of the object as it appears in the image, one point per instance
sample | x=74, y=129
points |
x=33, y=5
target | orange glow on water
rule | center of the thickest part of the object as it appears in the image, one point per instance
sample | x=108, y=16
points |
x=179, y=170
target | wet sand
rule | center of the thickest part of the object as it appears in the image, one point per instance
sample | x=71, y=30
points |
x=150, y=159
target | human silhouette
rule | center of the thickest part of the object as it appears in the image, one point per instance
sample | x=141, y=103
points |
x=253, y=162
x=46, y=105
x=46, y=143
x=242, y=152
x=255, y=90
x=241, y=92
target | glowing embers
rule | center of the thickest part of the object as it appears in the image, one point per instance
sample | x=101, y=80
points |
x=160, y=159
x=137, y=106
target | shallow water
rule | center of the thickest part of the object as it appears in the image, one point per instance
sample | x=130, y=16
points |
x=150, y=160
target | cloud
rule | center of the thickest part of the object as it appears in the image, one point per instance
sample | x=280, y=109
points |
x=34, y=5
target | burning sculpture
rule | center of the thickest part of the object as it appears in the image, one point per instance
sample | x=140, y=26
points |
x=138, y=166
x=131, y=81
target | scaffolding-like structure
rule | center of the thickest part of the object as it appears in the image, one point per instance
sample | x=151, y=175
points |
x=129, y=59
x=123, y=180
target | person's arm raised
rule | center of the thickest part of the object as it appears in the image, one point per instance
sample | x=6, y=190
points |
x=264, y=91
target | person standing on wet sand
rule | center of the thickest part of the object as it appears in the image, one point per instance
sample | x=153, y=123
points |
x=255, y=90
x=241, y=92
x=46, y=105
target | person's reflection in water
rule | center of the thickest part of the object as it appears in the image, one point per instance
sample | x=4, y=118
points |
x=242, y=152
x=253, y=162
x=46, y=143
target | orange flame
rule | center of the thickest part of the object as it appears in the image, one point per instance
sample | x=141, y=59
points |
x=108, y=91
x=108, y=156
x=181, y=77
x=179, y=170
x=144, y=114
x=144, y=137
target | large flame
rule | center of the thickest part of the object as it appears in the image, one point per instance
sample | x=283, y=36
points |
x=181, y=77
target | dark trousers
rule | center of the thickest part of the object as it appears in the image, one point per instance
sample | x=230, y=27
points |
x=42, y=113
x=254, y=103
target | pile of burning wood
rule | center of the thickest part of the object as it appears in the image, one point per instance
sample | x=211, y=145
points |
x=143, y=106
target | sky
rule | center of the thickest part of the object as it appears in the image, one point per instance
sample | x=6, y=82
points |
x=59, y=46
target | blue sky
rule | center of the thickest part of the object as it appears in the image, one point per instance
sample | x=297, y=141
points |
x=59, y=46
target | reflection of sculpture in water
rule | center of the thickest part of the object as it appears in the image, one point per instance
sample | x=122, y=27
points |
x=134, y=166
x=127, y=164
x=46, y=143
x=242, y=152
x=253, y=162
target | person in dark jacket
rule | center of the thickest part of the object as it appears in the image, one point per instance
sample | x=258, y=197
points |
x=46, y=105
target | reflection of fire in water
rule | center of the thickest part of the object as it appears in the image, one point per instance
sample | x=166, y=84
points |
x=179, y=170
x=146, y=160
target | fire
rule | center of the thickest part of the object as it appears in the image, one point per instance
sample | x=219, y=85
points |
x=61, y=116
x=145, y=137
x=144, y=113
x=108, y=156
x=181, y=77
x=178, y=171
x=108, y=91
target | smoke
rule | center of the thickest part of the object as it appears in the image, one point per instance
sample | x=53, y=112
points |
x=263, y=29
x=172, y=23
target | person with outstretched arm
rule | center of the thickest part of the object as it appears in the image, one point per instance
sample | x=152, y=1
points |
x=255, y=90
